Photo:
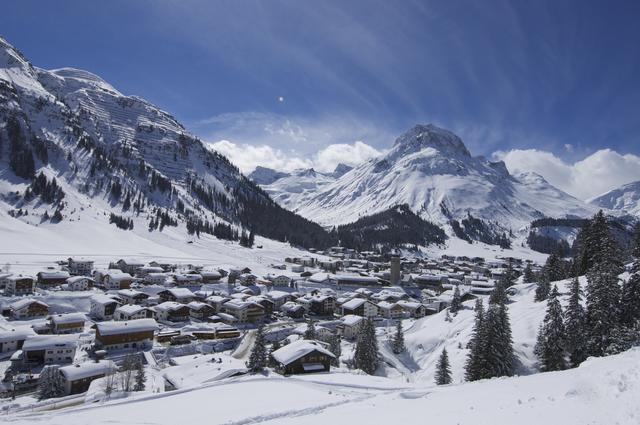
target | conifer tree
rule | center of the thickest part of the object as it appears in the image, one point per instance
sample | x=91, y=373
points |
x=50, y=384
x=551, y=337
x=543, y=286
x=475, y=366
x=499, y=293
x=630, y=298
x=336, y=348
x=443, y=369
x=258, y=357
x=498, y=352
x=275, y=346
x=528, y=276
x=398, y=339
x=310, y=332
x=575, y=326
x=140, y=378
x=366, y=356
x=456, y=301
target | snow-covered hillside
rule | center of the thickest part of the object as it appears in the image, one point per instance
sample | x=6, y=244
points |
x=118, y=153
x=625, y=199
x=431, y=170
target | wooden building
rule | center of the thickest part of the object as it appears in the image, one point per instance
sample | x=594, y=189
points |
x=128, y=334
x=302, y=356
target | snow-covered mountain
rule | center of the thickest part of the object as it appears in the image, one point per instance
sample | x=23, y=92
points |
x=624, y=199
x=119, y=152
x=431, y=170
x=292, y=189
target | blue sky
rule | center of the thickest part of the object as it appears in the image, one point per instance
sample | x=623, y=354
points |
x=561, y=77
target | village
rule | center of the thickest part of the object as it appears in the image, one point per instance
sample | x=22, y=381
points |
x=152, y=315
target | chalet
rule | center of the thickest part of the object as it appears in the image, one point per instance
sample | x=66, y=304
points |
x=279, y=298
x=67, y=323
x=167, y=267
x=28, y=308
x=48, y=349
x=133, y=312
x=244, y=311
x=103, y=307
x=216, y=301
x=390, y=310
x=293, y=310
x=200, y=310
x=19, y=285
x=279, y=280
x=12, y=340
x=80, y=266
x=323, y=305
x=413, y=308
x=49, y=278
x=247, y=279
x=111, y=281
x=79, y=283
x=349, y=326
x=431, y=281
x=78, y=377
x=156, y=278
x=131, y=296
x=129, y=334
x=146, y=270
x=359, y=307
x=187, y=279
x=302, y=356
x=265, y=302
x=350, y=280
x=181, y=295
x=129, y=265
x=171, y=311
x=210, y=276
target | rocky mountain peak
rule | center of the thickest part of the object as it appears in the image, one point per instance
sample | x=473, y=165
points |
x=424, y=136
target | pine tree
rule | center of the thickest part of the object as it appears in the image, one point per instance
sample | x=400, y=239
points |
x=543, y=287
x=51, y=384
x=551, y=337
x=575, y=326
x=528, y=274
x=140, y=378
x=443, y=369
x=398, y=339
x=275, y=346
x=336, y=348
x=258, y=357
x=630, y=298
x=603, y=290
x=366, y=357
x=499, y=293
x=475, y=366
x=310, y=332
x=498, y=352
x=456, y=301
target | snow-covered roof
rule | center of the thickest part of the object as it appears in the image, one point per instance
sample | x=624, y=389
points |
x=277, y=295
x=351, y=319
x=132, y=293
x=293, y=351
x=41, y=342
x=129, y=326
x=356, y=278
x=196, y=305
x=20, y=304
x=181, y=292
x=386, y=305
x=169, y=306
x=130, y=309
x=119, y=277
x=74, y=279
x=354, y=303
x=16, y=334
x=53, y=274
x=103, y=299
x=86, y=370
x=67, y=318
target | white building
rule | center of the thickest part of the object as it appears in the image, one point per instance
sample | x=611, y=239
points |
x=28, y=308
x=11, y=340
x=49, y=349
x=349, y=326
x=79, y=283
x=103, y=307
x=132, y=312
x=67, y=323
x=80, y=266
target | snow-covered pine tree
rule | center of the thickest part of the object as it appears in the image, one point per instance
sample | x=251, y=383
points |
x=475, y=366
x=528, y=276
x=310, y=332
x=543, y=287
x=140, y=378
x=398, y=339
x=499, y=293
x=574, y=325
x=336, y=348
x=366, y=356
x=274, y=347
x=630, y=299
x=550, y=345
x=258, y=357
x=603, y=290
x=456, y=301
x=50, y=384
x=498, y=344
x=443, y=369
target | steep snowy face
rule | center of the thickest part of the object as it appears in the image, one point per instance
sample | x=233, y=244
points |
x=625, y=199
x=432, y=171
x=290, y=190
x=263, y=175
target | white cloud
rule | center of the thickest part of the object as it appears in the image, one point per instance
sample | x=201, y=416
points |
x=599, y=172
x=247, y=157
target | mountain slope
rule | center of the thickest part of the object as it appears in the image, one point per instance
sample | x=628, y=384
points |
x=102, y=146
x=431, y=170
x=624, y=199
